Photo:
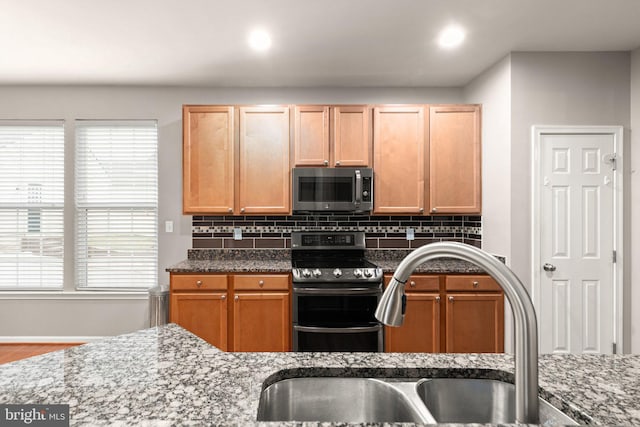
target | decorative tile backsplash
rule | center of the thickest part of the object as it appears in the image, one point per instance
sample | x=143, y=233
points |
x=260, y=232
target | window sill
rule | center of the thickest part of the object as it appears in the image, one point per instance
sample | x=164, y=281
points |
x=74, y=295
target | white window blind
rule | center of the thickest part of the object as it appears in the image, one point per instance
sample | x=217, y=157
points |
x=116, y=199
x=31, y=205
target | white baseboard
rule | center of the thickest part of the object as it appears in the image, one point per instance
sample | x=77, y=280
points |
x=49, y=339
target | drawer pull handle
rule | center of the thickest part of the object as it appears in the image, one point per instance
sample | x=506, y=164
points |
x=450, y=299
x=261, y=283
x=236, y=298
x=198, y=283
x=437, y=299
x=223, y=297
x=412, y=284
x=475, y=284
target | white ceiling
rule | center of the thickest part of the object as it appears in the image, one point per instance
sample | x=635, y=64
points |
x=315, y=42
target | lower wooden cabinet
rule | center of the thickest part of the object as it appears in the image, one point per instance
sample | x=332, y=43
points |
x=420, y=332
x=236, y=312
x=475, y=323
x=451, y=314
x=202, y=313
x=261, y=312
x=261, y=321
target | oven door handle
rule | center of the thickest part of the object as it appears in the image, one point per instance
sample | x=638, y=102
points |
x=347, y=330
x=334, y=291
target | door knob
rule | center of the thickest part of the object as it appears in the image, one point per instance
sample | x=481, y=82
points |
x=549, y=267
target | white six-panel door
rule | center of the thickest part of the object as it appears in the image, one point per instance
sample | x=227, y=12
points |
x=575, y=281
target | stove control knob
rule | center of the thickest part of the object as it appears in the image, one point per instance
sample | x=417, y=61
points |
x=337, y=272
x=357, y=273
x=316, y=273
x=368, y=272
x=306, y=273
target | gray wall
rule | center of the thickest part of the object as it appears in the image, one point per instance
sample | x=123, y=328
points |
x=492, y=89
x=632, y=165
x=559, y=89
x=81, y=314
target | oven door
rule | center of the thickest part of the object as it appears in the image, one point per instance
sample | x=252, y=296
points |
x=348, y=339
x=336, y=319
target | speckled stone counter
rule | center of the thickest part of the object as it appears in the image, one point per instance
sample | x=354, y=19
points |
x=167, y=376
x=279, y=261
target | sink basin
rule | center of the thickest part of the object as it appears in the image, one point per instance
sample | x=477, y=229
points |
x=335, y=399
x=423, y=401
x=470, y=400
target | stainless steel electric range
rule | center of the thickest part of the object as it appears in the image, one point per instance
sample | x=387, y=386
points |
x=335, y=293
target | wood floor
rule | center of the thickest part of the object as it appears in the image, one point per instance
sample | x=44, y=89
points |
x=13, y=352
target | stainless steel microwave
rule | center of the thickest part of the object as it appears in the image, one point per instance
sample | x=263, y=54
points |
x=332, y=190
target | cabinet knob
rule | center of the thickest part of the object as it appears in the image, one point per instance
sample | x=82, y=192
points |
x=421, y=210
x=230, y=210
x=434, y=210
x=198, y=283
x=223, y=297
x=261, y=283
x=338, y=163
x=242, y=210
x=412, y=284
x=236, y=298
x=438, y=299
x=475, y=284
x=450, y=299
x=326, y=162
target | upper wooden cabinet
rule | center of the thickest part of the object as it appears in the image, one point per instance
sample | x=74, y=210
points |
x=398, y=159
x=236, y=160
x=264, y=174
x=311, y=136
x=332, y=136
x=454, y=159
x=208, y=159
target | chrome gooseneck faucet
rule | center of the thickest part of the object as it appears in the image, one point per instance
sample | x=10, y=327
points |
x=390, y=311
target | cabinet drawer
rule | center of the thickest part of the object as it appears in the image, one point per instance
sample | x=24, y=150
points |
x=195, y=282
x=472, y=283
x=417, y=283
x=261, y=282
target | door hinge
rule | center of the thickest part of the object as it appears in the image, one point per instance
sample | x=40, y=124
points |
x=614, y=349
x=614, y=257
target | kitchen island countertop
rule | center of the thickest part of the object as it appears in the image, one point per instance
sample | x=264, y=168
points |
x=167, y=376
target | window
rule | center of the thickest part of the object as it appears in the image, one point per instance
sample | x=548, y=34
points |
x=116, y=204
x=31, y=205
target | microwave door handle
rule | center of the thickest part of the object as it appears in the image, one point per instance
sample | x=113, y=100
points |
x=358, y=197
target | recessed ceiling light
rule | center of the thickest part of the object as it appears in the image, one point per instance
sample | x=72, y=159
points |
x=259, y=40
x=451, y=37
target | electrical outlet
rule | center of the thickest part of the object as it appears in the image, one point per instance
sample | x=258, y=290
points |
x=411, y=234
x=237, y=234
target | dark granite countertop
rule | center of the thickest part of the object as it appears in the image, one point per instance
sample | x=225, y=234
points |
x=279, y=261
x=167, y=376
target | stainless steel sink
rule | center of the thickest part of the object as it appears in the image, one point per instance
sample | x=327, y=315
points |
x=357, y=400
x=469, y=400
x=425, y=401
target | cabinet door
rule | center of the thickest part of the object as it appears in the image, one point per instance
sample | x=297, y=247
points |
x=207, y=155
x=264, y=170
x=474, y=323
x=398, y=159
x=454, y=165
x=420, y=331
x=352, y=136
x=261, y=322
x=204, y=314
x=311, y=137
